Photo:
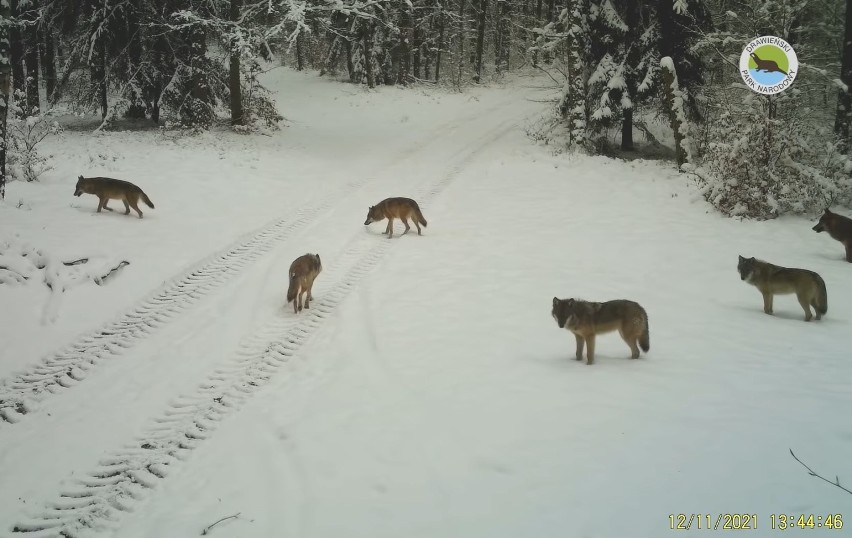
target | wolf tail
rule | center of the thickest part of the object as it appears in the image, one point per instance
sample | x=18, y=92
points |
x=822, y=296
x=147, y=200
x=293, y=289
x=645, y=337
x=419, y=215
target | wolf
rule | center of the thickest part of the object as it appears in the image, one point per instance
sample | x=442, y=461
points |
x=107, y=188
x=396, y=208
x=774, y=280
x=588, y=319
x=303, y=271
x=838, y=227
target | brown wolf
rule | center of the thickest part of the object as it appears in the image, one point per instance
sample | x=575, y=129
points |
x=588, y=319
x=838, y=227
x=396, y=208
x=107, y=188
x=774, y=280
x=303, y=271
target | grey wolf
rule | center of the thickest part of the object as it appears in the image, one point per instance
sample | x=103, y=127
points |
x=588, y=319
x=106, y=189
x=838, y=227
x=396, y=208
x=303, y=271
x=772, y=280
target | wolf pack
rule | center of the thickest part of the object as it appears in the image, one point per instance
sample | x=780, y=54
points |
x=584, y=319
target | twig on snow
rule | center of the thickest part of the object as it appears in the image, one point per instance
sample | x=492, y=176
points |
x=77, y=262
x=812, y=473
x=207, y=530
x=99, y=280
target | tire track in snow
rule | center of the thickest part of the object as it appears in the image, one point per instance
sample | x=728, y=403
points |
x=68, y=367
x=95, y=502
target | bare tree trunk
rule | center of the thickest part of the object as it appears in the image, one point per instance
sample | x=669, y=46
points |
x=405, y=38
x=155, y=90
x=97, y=75
x=368, y=53
x=843, y=115
x=418, y=50
x=137, y=107
x=480, y=39
x=440, y=47
x=48, y=61
x=462, y=38
x=503, y=37
x=675, y=106
x=300, y=51
x=5, y=88
x=31, y=60
x=16, y=50
x=627, y=130
x=234, y=71
x=573, y=103
x=350, y=63
x=633, y=20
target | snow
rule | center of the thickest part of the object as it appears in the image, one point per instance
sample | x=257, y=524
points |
x=427, y=391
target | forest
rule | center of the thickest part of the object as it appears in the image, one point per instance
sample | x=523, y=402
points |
x=617, y=67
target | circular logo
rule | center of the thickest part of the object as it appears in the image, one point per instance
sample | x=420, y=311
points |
x=768, y=65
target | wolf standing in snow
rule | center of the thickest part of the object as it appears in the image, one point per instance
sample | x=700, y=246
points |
x=396, y=208
x=107, y=188
x=838, y=227
x=774, y=280
x=303, y=271
x=588, y=319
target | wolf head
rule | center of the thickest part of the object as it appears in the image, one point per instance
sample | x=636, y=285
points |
x=78, y=189
x=373, y=215
x=563, y=310
x=745, y=266
x=824, y=222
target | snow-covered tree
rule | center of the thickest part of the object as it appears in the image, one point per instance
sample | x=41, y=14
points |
x=763, y=156
x=5, y=86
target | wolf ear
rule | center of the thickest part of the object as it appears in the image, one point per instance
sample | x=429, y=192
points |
x=570, y=302
x=741, y=258
x=80, y=177
x=555, y=301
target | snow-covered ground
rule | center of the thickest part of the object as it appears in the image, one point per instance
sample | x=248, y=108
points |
x=427, y=392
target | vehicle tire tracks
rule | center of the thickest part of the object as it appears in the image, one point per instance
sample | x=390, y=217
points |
x=68, y=367
x=96, y=501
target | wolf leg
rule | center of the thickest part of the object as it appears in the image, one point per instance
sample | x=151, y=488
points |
x=805, y=303
x=590, y=349
x=580, y=343
x=767, y=302
x=407, y=227
x=135, y=208
x=631, y=343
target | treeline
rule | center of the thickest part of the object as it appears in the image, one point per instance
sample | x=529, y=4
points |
x=621, y=64
x=138, y=58
x=626, y=63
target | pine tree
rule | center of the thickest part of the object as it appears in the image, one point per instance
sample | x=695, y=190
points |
x=843, y=114
x=5, y=87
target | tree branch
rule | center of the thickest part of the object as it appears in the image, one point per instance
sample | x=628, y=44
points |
x=836, y=482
